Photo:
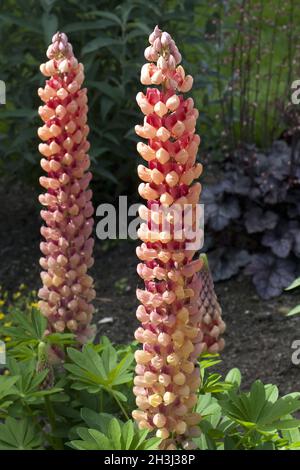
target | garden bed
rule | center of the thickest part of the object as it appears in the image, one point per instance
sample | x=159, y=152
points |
x=258, y=336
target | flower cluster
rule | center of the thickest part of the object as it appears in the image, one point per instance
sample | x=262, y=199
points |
x=167, y=377
x=67, y=292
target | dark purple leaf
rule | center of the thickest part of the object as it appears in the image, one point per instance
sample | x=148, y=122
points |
x=218, y=212
x=295, y=232
x=236, y=182
x=279, y=160
x=226, y=262
x=280, y=241
x=256, y=220
x=270, y=274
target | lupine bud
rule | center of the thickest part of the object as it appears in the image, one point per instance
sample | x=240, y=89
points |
x=167, y=376
x=67, y=289
x=43, y=363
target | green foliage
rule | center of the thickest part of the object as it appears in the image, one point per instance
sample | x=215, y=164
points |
x=19, y=435
x=96, y=371
x=294, y=285
x=88, y=407
x=107, y=433
x=110, y=42
x=248, y=63
x=254, y=420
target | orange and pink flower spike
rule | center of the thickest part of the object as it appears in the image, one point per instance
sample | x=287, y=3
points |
x=167, y=377
x=67, y=292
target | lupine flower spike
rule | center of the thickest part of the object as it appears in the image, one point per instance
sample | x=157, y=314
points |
x=171, y=312
x=67, y=292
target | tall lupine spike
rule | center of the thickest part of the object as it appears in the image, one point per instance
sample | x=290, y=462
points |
x=67, y=289
x=167, y=377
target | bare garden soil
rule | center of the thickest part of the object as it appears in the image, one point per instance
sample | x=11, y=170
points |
x=258, y=337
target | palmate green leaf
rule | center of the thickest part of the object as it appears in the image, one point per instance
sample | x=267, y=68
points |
x=279, y=409
x=26, y=328
x=207, y=361
x=257, y=400
x=7, y=385
x=19, y=435
x=259, y=409
x=88, y=362
x=91, y=439
x=4, y=407
x=291, y=435
x=234, y=377
x=151, y=444
x=272, y=393
x=284, y=424
x=266, y=446
x=61, y=338
x=97, y=370
x=103, y=442
x=28, y=380
x=214, y=384
x=127, y=435
x=109, y=355
x=99, y=421
x=116, y=435
x=84, y=377
x=295, y=283
x=294, y=311
x=39, y=323
x=209, y=409
x=120, y=375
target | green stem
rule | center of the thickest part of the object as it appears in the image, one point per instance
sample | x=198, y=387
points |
x=243, y=438
x=121, y=407
x=58, y=445
x=37, y=424
x=101, y=401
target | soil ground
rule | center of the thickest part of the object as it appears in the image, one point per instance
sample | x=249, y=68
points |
x=258, y=337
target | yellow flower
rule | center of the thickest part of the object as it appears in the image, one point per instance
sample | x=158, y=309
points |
x=7, y=339
x=34, y=304
x=16, y=295
x=2, y=302
x=7, y=324
x=2, y=315
x=22, y=286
